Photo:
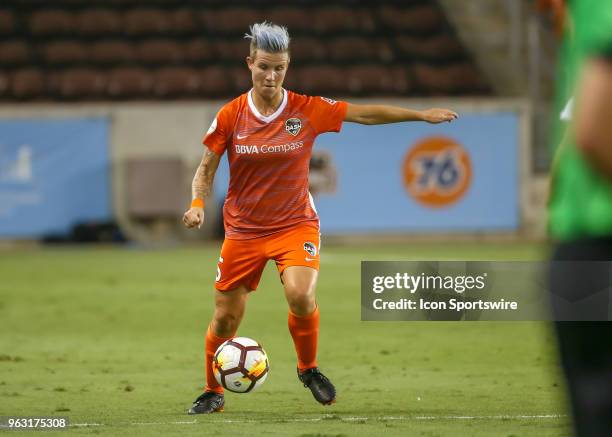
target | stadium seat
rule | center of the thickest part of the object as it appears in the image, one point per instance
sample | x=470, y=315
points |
x=99, y=22
x=240, y=78
x=215, y=82
x=461, y=78
x=52, y=23
x=292, y=80
x=7, y=22
x=199, y=50
x=350, y=48
x=294, y=18
x=429, y=79
x=230, y=20
x=333, y=19
x=160, y=51
x=324, y=79
x=468, y=79
x=403, y=83
x=33, y=4
x=307, y=49
x=133, y=42
x=146, y=22
x=231, y=50
x=438, y=47
x=129, y=82
x=143, y=3
x=375, y=79
x=14, y=52
x=183, y=22
x=4, y=86
x=65, y=53
x=80, y=83
x=112, y=52
x=177, y=82
x=417, y=19
x=28, y=83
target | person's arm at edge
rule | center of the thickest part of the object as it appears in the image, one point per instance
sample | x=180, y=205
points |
x=593, y=117
x=384, y=114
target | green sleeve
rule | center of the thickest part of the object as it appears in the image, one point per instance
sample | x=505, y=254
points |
x=594, y=21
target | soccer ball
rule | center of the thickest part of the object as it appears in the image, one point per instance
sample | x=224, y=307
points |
x=241, y=365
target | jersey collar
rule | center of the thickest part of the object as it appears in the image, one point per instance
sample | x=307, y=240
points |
x=267, y=118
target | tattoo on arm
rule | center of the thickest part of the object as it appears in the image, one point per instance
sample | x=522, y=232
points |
x=205, y=175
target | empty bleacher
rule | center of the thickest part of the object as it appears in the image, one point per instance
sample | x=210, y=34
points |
x=88, y=50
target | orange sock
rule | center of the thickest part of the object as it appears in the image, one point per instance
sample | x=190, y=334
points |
x=212, y=343
x=305, y=333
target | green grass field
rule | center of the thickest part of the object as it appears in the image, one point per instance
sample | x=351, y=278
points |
x=113, y=338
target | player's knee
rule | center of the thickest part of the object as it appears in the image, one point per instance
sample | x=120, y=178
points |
x=226, y=322
x=301, y=300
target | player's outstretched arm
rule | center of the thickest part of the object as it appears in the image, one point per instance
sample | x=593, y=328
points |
x=384, y=114
x=201, y=188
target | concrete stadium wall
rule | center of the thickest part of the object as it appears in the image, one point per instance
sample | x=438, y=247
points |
x=174, y=130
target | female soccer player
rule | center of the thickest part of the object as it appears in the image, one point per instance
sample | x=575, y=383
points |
x=268, y=134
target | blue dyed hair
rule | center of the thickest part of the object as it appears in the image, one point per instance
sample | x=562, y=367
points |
x=268, y=37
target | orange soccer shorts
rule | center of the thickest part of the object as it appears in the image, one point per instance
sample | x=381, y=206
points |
x=242, y=261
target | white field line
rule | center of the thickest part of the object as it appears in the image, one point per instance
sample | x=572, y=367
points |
x=351, y=258
x=339, y=418
x=85, y=424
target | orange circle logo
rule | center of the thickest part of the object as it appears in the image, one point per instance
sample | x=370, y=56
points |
x=437, y=172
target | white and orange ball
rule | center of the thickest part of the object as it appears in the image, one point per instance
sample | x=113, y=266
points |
x=241, y=365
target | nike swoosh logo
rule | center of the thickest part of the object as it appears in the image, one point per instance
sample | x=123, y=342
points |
x=310, y=259
x=241, y=136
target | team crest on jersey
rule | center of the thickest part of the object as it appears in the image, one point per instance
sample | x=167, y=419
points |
x=293, y=126
x=310, y=248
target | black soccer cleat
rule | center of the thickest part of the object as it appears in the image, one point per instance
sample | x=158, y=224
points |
x=208, y=402
x=322, y=389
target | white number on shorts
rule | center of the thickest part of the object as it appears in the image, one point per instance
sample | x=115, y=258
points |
x=218, y=278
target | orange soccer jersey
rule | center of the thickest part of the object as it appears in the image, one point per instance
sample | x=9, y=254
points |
x=269, y=158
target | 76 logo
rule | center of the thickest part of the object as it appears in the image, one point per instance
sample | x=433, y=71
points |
x=438, y=172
